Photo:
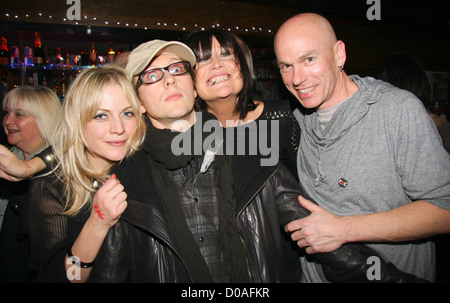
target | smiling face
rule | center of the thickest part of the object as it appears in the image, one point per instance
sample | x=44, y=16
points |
x=219, y=76
x=170, y=99
x=309, y=57
x=108, y=135
x=21, y=129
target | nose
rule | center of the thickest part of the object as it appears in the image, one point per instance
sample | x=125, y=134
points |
x=169, y=79
x=8, y=118
x=299, y=76
x=117, y=126
x=215, y=62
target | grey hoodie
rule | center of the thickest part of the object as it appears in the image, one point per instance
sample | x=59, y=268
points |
x=385, y=150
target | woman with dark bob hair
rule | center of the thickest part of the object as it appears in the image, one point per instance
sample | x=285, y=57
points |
x=201, y=43
x=224, y=81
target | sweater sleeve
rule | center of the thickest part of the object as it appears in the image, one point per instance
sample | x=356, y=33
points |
x=423, y=164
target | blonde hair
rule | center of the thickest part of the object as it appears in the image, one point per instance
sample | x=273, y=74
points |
x=80, y=106
x=39, y=102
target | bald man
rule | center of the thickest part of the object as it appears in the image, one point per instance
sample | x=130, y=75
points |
x=369, y=155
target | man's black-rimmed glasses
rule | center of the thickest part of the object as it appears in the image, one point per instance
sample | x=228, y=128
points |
x=155, y=74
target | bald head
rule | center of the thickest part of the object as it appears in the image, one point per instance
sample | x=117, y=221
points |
x=307, y=24
x=311, y=61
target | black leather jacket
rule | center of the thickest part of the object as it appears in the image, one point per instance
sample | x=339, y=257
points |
x=139, y=247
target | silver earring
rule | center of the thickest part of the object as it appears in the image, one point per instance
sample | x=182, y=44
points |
x=341, y=68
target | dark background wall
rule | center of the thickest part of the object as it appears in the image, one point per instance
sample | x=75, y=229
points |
x=414, y=28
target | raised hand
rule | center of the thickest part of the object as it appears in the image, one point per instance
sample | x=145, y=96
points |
x=109, y=203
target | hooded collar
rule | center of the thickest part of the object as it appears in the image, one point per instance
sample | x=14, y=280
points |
x=346, y=116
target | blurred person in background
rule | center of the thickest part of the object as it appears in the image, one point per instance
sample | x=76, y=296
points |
x=408, y=73
x=31, y=114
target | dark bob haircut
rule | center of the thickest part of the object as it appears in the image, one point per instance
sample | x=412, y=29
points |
x=201, y=43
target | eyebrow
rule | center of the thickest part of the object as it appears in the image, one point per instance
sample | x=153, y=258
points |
x=17, y=110
x=300, y=58
x=109, y=110
x=172, y=59
x=306, y=55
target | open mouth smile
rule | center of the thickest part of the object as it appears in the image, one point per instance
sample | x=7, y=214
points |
x=218, y=79
x=307, y=90
x=12, y=131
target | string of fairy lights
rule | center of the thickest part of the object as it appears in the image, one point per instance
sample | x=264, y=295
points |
x=75, y=67
x=89, y=20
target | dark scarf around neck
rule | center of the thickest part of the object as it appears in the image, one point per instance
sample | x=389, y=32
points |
x=159, y=147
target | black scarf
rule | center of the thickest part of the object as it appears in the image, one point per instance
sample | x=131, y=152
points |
x=158, y=145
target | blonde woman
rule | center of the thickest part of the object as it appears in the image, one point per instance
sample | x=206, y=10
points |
x=25, y=106
x=31, y=114
x=72, y=209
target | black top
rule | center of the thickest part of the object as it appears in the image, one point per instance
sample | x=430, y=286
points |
x=50, y=232
x=267, y=140
x=14, y=248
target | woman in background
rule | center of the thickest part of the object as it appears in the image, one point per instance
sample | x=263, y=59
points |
x=31, y=114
